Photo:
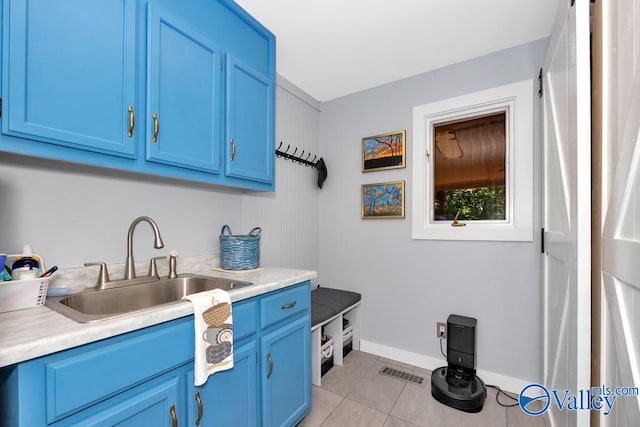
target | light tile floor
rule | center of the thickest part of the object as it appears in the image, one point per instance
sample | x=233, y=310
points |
x=355, y=395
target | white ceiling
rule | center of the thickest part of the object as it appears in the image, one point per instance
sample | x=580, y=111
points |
x=332, y=48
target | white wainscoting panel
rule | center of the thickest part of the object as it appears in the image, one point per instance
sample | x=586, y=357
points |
x=289, y=217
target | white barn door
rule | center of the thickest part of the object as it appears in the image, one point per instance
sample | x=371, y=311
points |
x=567, y=209
x=620, y=302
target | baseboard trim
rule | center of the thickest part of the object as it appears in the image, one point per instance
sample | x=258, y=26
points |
x=510, y=384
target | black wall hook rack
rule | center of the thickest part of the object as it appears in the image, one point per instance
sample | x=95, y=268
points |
x=300, y=158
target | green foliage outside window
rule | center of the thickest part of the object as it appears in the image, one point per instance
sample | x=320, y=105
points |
x=487, y=203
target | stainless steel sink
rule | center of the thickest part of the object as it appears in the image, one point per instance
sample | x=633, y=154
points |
x=92, y=305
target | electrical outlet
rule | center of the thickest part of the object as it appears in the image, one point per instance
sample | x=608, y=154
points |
x=441, y=329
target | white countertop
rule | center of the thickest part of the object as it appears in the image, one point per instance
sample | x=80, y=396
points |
x=33, y=332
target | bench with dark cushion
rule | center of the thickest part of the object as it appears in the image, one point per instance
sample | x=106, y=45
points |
x=328, y=302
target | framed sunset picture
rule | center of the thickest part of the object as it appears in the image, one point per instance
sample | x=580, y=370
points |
x=383, y=200
x=384, y=151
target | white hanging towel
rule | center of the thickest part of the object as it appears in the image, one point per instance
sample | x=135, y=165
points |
x=213, y=325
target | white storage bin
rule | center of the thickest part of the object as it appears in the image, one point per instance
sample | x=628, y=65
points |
x=326, y=351
x=326, y=356
x=19, y=294
x=347, y=333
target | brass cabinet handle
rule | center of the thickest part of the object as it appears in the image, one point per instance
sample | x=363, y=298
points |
x=290, y=305
x=132, y=121
x=199, y=401
x=270, y=365
x=156, y=127
x=233, y=149
x=174, y=417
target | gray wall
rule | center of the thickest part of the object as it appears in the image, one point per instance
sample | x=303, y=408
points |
x=408, y=285
x=72, y=214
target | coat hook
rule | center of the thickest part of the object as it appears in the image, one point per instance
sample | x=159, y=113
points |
x=295, y=157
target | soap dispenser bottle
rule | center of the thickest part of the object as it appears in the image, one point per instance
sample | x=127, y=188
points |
x=27, y=265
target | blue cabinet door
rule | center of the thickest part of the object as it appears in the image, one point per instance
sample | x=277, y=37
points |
x=286, y=373
x=151, y=406
x=250, y=150
x=228, y=398
x=69, y=73
x=183, y=91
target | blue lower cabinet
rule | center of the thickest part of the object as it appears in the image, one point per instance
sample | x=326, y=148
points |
x=286, y=376
x=97, y=369
x=130, y=376
x=149, y=406
x=228, y=398
x=145, y=377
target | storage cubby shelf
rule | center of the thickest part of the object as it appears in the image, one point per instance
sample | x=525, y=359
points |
x=333, y=327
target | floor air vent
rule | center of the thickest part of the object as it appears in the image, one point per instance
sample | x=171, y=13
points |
x=401, y=375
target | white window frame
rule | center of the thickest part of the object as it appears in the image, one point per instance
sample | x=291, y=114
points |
x=517, y=100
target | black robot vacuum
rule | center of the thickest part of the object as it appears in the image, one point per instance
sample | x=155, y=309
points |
x=457, y=384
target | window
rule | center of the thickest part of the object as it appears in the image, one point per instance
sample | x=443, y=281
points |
x=469, y=169
x=473, y=166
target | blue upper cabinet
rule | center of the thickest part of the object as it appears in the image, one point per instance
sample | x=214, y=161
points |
x=183, y=92
x=69, y=73
x=152, y=86
x=249, y=122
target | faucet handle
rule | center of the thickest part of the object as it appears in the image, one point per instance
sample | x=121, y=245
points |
x=103, y=275
x=153, y=269
x=172, y=264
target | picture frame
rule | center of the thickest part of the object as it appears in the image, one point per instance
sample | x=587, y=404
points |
x=382, y=200
x=384, y=151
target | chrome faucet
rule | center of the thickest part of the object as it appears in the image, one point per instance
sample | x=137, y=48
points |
x=129, y=269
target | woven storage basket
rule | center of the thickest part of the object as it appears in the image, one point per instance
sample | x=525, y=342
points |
x=240, y=252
